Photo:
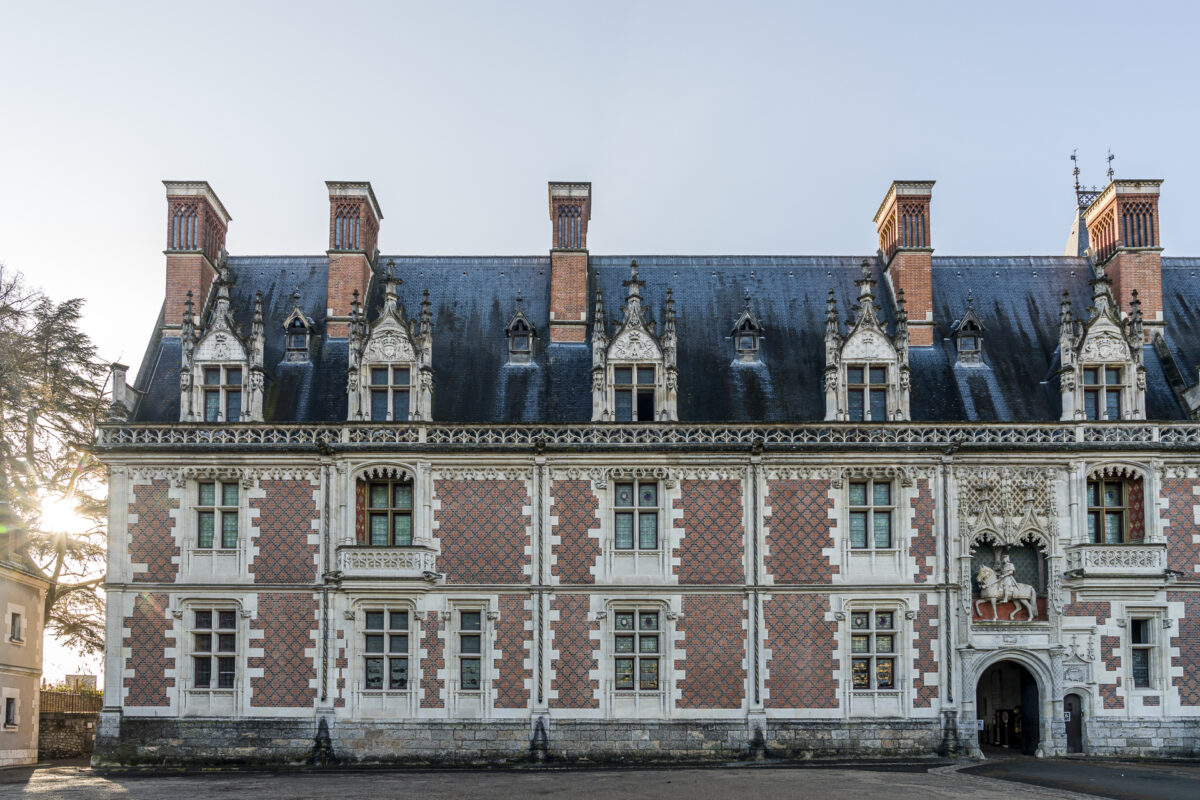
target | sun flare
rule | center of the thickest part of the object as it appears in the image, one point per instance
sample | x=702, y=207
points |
x=61, y=515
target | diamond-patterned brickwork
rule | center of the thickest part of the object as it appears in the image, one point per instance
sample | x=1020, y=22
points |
x=284, y=524
x=289, y=623
x=803, y=645
x=572, y=640
x=576, y=507
x=1110, y=654
x=798, y=529
x=1183, y=551
x=1136, y=513
x=483, y=531
x=152, y=537
x=923, y=548
x=714, y=643
x=1088, y=608
x=1188, y=642
x=713, y=543
x=512, y=676
x=147, y=644
x=434, y=660
x=925, y=642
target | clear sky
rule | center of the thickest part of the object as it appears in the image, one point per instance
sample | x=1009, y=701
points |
x=739, y=127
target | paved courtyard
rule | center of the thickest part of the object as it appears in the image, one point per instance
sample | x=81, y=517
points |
x=76, y=781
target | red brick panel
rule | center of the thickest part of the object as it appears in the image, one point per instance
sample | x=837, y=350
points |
x=285, y=522
x=1090, y=608
x=713, y=542
x=152, y=537
x=483, y=530
x=923, y=548
x=714, y=643
x=1188, y=642
x=435, y=660
x=1183, y=551
x=576, y=507
x=1110, y=654
x=798, y=528
x=925, y=648
x=147, y=644
x=1136, y=512
x=513, y=678
x=572, y=640
x=342, y=663
x=568, y=295
x=288, y=622
x=803, y=646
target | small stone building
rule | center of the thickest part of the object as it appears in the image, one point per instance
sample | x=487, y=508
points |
x=22, y=599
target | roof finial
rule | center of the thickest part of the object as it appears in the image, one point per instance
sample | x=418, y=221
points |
x=1075, y=170
x=1110, y=168
x=970, y=300
x=520, y=300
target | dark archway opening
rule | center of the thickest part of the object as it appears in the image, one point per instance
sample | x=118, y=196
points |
x=1008, y=702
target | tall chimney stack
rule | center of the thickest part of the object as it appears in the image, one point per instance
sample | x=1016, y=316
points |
x=354, y=217
x=570, y=211
x=196, y=227
x=1122, y=229
x=902, y=222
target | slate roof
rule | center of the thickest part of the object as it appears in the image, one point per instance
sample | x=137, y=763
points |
x=473, y=299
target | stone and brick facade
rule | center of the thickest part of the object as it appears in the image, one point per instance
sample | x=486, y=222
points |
x=657, y=540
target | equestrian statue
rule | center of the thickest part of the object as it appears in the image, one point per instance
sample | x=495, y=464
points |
x=1004, y=588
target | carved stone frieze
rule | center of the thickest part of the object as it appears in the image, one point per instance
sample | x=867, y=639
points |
x=837, y=476
x=483, y=473
x=1007, y=505
x=247, y=476
x=634, y=344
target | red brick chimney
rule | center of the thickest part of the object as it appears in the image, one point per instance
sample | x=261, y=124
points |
x=570, y=210
x=196, y=226
x=907, y=246
x=1122, y=226
x=354, y=217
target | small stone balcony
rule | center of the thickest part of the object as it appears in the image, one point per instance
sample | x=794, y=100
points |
x=1117, y=560
x=359, y=561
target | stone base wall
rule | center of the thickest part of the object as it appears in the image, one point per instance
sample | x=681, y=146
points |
x=1152, y=738
x=153, y=741
x=65, y=735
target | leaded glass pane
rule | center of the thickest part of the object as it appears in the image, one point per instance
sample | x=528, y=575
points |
x=1113, y=527
x=884, y=643
x=1112, y=405
x=233, y=406
x=212, y=376
x=379, y=376
x=854, y=375
x=1091, y=376
x=402, y=494
x=878, y=375
x=860, y=620
x=1093, y=490
x=1091, y=405
x=212, y=406
x=648, y=531
x=645, y=375
x=1141, y=668
x=860, y=671
x=472, y=620
x=398, y=643
x=648, y=620
x=470, y=644
x=399, y=620
x=225, y=673
x=624, y=620
x=648, y=674
x=203, y=642
x=624, y=496
x=860, y=644
x=229, y=494
x=233, y=377
x=379, y=406
x=400, y=376
x=883, y=620
x=226, y=620
x=374, y=620
x=623, y=376
x=400, y=405
x=226, y=642
x=469, y=673
x=648, y=644
x=1113, y=495
x=203, y=619
x=624, y=531
x=624, y=673
x=882, y=493
x=856, y=406
x=1093, y=533
x=624, y=644
x=379, y=495
x=1112, y=376
x=858, y=494
x=208, y=494
x=648, y=495
x=878, y=405
x=884, y=676
x=374, y=677
x=401, y=530
x=883, y=530
x=207, y=526
x=229, y=529
x=374, y=642
x=203, y=672
x=379, y=530
x=858, y=528
x=398, y=677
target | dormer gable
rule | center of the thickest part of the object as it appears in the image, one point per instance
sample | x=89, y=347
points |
x=221, y=372
x=634, y=374
x=298, y=330
x=521, y=336
x=866, y=370
x=1101, y=374
x=967, y=333
x=747, y=335
x=390, y=361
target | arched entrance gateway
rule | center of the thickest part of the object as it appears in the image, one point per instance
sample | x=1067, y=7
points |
x=1008, y=702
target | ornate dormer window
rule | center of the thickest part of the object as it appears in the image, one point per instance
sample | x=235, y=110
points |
x=521, y=334
x=968, y=335
x=298, y=332
x=866, y=371
x=634, y=375
x=221, y=375
x=746, y=335
x=1102, y=376
x=390, y=373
